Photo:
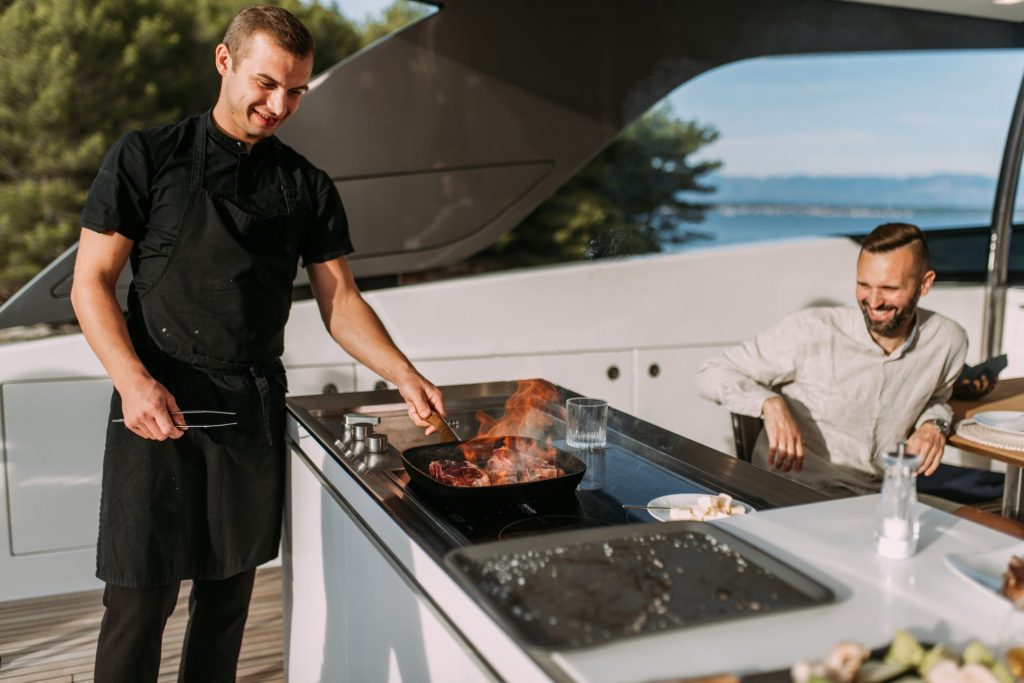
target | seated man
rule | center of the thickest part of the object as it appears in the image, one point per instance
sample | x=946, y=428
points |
x=837, y=386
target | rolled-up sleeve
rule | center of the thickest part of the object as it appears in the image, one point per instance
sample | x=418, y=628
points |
x=741, y=377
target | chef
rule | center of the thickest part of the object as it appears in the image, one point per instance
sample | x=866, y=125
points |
x=214, y=214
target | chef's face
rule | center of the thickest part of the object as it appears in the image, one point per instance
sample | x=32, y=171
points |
x=889, y=285
x=260, y=88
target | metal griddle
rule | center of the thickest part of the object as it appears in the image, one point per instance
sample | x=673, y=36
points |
x=570, y=590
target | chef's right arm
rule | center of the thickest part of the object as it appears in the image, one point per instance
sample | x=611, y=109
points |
x=740, y=378
x=146, y=404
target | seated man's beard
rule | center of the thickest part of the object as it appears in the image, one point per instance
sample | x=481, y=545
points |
x=888, y=328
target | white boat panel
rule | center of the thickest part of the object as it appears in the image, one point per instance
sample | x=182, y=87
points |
x=667, y=395
x=59, y=357
x=321, y=379
x=702, y=297
x=366, y=622
x=1013, y=332
x=54, y=452
x=306, y=343
x=608, y=374
x=1003, y=10
x=966, y=305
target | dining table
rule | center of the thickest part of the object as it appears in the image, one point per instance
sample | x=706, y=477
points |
x=1008, y=394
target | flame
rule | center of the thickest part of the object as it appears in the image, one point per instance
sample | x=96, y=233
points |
x=526, y=415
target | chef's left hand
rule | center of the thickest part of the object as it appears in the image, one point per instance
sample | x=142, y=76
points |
x=927, y=443
x=423, y=399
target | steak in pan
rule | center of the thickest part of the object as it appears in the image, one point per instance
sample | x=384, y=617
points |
x=518, y=469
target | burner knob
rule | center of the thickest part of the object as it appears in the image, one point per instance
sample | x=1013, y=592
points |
x=377, y=443
x=351, y=420
x=361, y=430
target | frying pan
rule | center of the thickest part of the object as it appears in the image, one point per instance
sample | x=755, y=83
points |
x=417, y=461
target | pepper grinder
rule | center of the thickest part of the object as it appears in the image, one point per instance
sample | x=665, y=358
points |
x=896, y=523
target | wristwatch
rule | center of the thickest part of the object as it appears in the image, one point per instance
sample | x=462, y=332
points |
x=942, y=425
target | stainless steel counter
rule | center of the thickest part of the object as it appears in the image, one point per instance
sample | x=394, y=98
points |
x=645, y=461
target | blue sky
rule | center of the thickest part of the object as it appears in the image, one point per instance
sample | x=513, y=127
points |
x=884, y=114
x=360, y=10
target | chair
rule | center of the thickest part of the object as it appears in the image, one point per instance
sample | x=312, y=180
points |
x=745, y=430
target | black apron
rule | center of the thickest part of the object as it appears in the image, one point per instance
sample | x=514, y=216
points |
x=208, y=323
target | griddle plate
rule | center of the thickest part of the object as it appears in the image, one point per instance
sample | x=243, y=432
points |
x=584, y=588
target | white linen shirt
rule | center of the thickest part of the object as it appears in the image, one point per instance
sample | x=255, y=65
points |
x=851, y=400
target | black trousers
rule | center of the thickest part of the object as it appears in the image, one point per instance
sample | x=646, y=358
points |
x=132, y=629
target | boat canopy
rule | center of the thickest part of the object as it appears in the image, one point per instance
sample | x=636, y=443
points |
x=447, y=134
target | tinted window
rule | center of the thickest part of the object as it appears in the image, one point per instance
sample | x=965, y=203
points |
x=839, y=144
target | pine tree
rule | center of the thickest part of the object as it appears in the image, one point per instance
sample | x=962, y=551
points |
x=75, y=75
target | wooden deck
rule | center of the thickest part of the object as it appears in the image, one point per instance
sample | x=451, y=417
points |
x=54, y=639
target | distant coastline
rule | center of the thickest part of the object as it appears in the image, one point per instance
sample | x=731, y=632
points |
x=942, y=190
x=745, y=208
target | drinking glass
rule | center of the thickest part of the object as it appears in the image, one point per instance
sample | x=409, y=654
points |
x=585, y=435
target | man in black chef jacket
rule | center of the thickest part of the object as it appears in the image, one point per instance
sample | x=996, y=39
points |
x=214, y=214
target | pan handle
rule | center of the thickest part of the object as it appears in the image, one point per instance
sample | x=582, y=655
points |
x=444, y=430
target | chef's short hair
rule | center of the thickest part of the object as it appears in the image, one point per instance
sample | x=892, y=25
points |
x=892, y=236
x=277, y=23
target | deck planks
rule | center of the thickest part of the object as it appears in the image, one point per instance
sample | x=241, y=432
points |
x=53, y=639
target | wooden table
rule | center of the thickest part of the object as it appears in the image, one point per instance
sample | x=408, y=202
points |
x=1008, y=395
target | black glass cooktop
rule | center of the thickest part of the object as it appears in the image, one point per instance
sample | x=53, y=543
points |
x=628, y=480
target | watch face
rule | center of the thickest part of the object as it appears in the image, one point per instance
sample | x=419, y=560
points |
x=942, y=425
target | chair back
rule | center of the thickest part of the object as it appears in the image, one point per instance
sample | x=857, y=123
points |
x=745, y=430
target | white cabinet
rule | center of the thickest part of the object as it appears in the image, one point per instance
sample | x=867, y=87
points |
x=349, y=615
x=321, y=379
x=667, y=396
x=53, y=437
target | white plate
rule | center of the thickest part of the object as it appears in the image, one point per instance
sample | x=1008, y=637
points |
x=1004, y=420
x=682, y=500
x=984, y=569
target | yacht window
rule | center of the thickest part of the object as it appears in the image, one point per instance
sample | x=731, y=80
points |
x=838, y=144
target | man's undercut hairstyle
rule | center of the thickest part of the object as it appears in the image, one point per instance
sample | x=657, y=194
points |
x=892, y=236
x=278, y=24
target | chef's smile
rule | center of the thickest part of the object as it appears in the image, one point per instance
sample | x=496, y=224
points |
x=264, y=120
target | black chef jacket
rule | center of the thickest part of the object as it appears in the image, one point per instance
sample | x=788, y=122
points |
x=149, y=167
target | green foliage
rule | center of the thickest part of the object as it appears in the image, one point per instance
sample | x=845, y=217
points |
x=397, y=15
x=625, y=201
x=32, y=229
x=75, y=75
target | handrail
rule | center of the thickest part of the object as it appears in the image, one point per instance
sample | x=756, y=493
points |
x=1002, y=228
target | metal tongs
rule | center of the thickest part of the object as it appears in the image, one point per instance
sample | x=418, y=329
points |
x=198, y=412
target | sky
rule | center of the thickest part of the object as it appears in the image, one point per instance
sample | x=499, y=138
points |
x=885, y=114
x=360, y=10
